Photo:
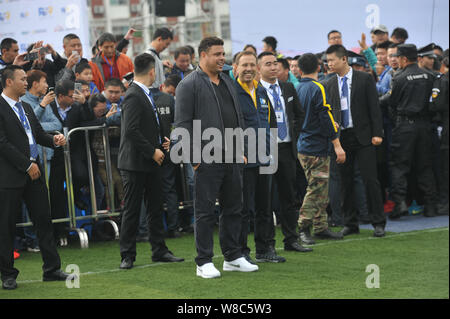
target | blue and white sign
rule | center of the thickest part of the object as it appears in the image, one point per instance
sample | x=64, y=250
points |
x=302, y=26
x=28, y=21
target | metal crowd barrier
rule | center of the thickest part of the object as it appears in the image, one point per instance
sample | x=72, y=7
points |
x=95, y=213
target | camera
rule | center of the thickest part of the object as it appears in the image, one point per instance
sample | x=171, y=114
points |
x=78, y=87
x=31, y=56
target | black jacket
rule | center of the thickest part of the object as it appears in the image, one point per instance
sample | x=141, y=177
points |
x=411, y=91
x=14, y=145
x=364, y=106
x=139, y=132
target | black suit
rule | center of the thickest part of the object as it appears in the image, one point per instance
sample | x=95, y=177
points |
x=16, y=186
x=140, y=136
x=287, y=164
x=357, y=144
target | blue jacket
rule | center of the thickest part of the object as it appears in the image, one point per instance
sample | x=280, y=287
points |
x=261, y=116
x=46, y=117
x=319, y=128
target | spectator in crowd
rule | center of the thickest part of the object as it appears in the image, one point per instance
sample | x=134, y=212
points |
x=384, y=78
x=61, y=107
x=140, y=157
x=318, y=131
x=123, y=42
x=289, y=115
x=362, y=130
x=368, y=52
x=109, y=63
x=251, y=48
x=258, y=114
x=161, y=41
x=9, y=51
x=182, y=62
x=438, y=51
x=170, y=84
x=114, y=92
x=73, y=51
x=83, y=71
x=380, y=34
x=270, y=45
x=214, y=180
x=293, y=66
x=284, y=73
x=21, y=178
x=411, y=139
x=50, y=67
x=399, y=35
x=193, y=59
x=334, y=37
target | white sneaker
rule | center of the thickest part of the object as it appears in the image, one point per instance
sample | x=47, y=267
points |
x=208, y=271
x=240, y=264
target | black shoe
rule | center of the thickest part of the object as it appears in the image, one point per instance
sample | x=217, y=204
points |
x=249, y=259
x=398, y=211
x=305, y=236
x=186, y=229
x=430, y=211
x=127, y=263
x=57, y=275
x=297, y=247
x=270, y=257
x=328, y=234
x=349, y=230
x=173, y=234
x=167, y=258
x=9, y=284
x=379, y=231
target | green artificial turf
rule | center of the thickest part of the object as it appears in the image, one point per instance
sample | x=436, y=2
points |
x=411, y=265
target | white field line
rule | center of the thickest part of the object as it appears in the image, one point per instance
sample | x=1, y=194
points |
x=331, y=242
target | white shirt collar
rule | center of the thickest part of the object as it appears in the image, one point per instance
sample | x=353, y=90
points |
x=142, y=86
x=267, y=84
x=348, y=75
x=9, y=100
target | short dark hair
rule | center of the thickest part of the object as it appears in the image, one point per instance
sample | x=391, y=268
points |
x=95, y=99
x=393, y=45
x=106, y=37
x=308, y=63
x=164, y=33
x=69, y=37
x=338, y=49
x=182, y=50
x=400, y=33
x=438, y=47
x=115, y=82
x=284, y=63
x=333, y=31
x=384, y=45
x=7, y=43
x=271, y=41
x=80, y=67
x=172, y=80
x=241, y=54
x=63, y=87
x=263, y=54
x=34, y=76
x=207, y=43
x=191, y=48
x=8, y=73
x=235, y=56
x=143, y=63
x=250, y=46
x=82, y=82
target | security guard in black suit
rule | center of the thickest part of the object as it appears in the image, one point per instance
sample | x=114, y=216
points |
x=411, y=136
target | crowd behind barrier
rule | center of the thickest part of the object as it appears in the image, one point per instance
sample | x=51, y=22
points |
x=403, y=135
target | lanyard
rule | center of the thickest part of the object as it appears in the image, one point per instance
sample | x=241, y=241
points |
x=182, y=75
x=110, y=66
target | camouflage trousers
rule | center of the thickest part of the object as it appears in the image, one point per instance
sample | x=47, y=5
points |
x=313, y=211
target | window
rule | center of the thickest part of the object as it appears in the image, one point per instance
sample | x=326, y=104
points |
x=118, y=2
x=225, y=29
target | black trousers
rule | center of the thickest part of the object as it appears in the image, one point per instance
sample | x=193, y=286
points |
x=286, y=181
x=35, y=196
x=257, y=198
x=223, y=182
x=365, y=156
x=135, y=186
x=58, y=196
x=411, y=144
